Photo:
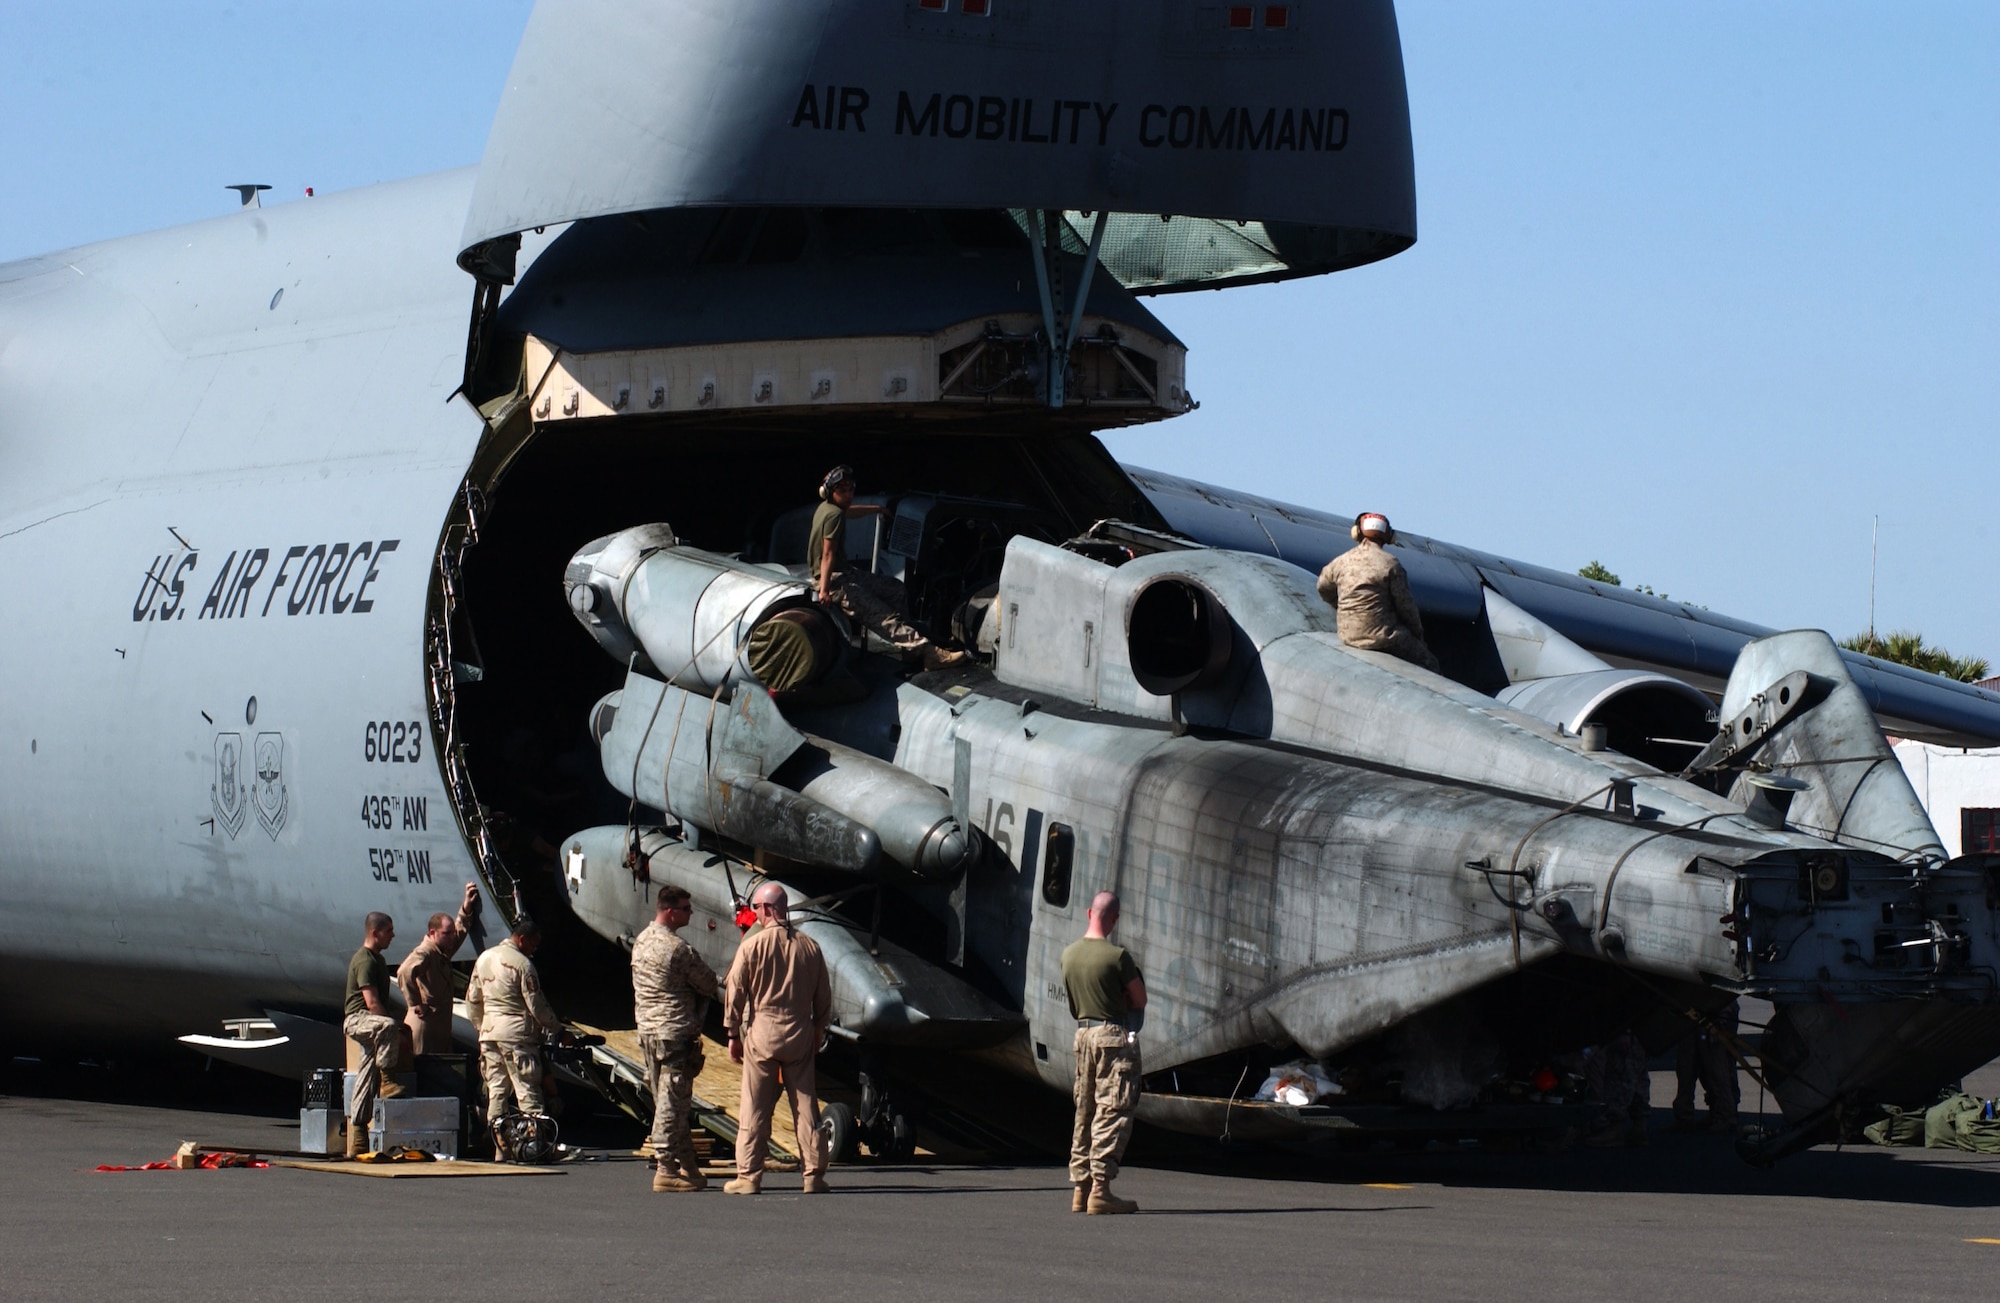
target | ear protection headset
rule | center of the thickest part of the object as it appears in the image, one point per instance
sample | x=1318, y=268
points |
x=1371, y=522
x=836, y=477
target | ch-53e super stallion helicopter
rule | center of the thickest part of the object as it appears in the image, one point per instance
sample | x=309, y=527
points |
x=320, y=666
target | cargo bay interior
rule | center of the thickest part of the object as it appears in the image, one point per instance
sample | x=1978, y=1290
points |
x=930, y=326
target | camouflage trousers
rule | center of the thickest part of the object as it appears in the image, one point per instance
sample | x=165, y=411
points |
x=1106, y=1087
x=1616, y=1079
x=1403, y=644
x=877, y=603
x=511, y=1073
x=671, y=1067
x=376, y=1035
x=1703, y=1058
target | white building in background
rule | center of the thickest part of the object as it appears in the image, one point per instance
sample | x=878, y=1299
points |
x=1960, y=790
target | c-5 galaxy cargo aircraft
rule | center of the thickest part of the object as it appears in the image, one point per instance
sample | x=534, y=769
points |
x=289, y=539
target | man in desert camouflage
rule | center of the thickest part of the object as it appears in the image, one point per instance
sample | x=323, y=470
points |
x=671, y=988
x=505, y=1001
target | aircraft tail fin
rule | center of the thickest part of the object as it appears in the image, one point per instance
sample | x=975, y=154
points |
x=1807, y=750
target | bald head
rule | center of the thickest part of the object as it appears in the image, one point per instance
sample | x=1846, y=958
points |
x=1103, y=913
x=770, y=897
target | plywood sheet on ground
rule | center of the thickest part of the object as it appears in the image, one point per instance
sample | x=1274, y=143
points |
x=441, y=1168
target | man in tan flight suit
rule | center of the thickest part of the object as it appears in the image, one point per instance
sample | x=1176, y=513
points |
x=671, y=987
x=425, y=976
x=368, y=1022
x=1106, y=996
x=776, y=1007
x=874, y=601
x=1370, y=595
x=505, y=1001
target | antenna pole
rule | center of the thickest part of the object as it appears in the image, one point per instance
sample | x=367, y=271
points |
x=1874, y=548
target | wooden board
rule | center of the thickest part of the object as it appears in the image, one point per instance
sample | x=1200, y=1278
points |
x=719, y=1089
x=441, y=1168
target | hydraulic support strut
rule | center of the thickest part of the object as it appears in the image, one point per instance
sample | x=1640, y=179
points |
x=1060, y=321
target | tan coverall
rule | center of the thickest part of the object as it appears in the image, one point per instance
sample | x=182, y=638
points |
x=1373, y=609
x=671, y=986
x=778, y=1003
x=505, y=1001
x=425, y=976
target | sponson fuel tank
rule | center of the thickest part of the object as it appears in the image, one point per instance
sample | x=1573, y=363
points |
x=881, y=992
x=708, y=745
x=691, y=617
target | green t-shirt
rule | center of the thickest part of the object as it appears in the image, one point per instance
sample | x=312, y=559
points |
x=829, y=522
x=366, y=969
x=1096, y=973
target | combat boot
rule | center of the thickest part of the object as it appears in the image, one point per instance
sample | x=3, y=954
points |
x=1606, y=1135
x=745, y=1185
x=665, y=1182
x=1103, y=1201
x=1079, y=1196
x=389, y=1089
x=814, y=1184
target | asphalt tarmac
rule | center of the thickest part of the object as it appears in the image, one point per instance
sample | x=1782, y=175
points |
x=1680, y=1219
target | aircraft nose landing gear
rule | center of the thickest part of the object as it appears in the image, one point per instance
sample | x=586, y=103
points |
x=886, y=1128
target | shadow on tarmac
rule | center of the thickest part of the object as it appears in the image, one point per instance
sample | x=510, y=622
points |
x=194, y=1083
x=1672, y=1163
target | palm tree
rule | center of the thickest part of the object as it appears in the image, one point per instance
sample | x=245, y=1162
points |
x=1906, y=647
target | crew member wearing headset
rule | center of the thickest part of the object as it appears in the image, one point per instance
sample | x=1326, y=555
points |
x=1370, y=595
x=876, y=602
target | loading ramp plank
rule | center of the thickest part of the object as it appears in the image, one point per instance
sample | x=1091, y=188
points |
x=718, y=1091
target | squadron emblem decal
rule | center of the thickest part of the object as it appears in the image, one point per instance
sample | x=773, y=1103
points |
x=227, y=794
x=271, y=797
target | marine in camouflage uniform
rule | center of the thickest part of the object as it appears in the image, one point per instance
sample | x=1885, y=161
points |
x=367, y=1023
x=1370, y=595
x=1703, y=1056
x=1106, y=995
x=1615, y=1077
x=505, y=1001
x=671, y=987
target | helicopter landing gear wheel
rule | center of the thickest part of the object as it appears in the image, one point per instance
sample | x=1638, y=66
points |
x=838, y=1133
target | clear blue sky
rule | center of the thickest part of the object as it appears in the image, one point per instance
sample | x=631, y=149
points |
x=1700, y=288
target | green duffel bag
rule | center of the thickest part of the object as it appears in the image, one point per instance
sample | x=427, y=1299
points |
x=1902, y=1127
x=1955, y=1123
